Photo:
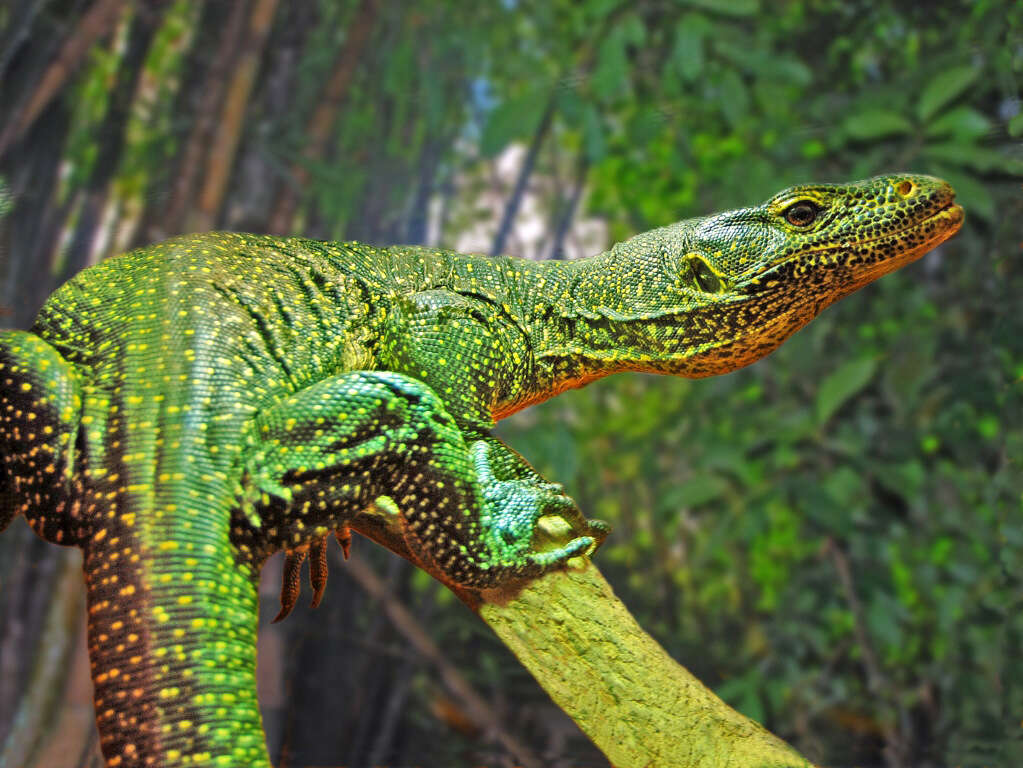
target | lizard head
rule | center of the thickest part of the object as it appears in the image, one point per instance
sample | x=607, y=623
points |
x=746, y=280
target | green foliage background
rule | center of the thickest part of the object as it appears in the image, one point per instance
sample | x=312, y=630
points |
x=887, y=436
x=832, y=538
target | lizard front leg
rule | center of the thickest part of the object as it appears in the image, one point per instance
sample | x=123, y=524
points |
x=471, y=352
x=326, y=452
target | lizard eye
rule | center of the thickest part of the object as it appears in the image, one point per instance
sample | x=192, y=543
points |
x=704, y=277
x=802, y=213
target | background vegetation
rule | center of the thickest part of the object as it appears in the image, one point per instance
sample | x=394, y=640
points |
x=832, y=538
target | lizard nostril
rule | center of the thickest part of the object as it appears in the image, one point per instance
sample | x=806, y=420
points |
x=905, y=188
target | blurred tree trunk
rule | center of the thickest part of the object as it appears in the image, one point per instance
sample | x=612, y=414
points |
x=324, y=116
x=466, y=708
x=587, y=57
x=349, y=695
x=511, y=208
x=192, y=157
x=229, y=126
x=417, y=227
x=259, y=171
x=96, y=23
x=111, y=136
x=214, y=39
x=366, y=223
x=569, y=208
x=21, y=17
x=38, y=633
x=31, y=230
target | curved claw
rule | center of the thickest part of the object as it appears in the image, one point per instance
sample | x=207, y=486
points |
x=599, y=530
x=291, y=583
x=318, y=569
x=316, y=551
x=344, y=538
x=556, y=557
x=557, y=503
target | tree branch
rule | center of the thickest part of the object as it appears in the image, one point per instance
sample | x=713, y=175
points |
x=639, y=706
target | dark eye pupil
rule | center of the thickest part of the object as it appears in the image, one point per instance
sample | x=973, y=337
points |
x=801, y=214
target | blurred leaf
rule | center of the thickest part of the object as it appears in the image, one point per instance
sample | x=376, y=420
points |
x=845, y=486
x=733, y=98
x=612, y=67
x=1016, y=125
x=728, y=7
x=687, y=54
x=972, y=194
x=570, y=106
x=961, y=122
x=792, y=71
x=696, y=491
x=514, y=119
x=593, y=134
x=597, y=9
x=904, y=479
x=645, y=125
x=765, y=63
x=399, y=68
x=633, y=30
x=882, y=620
x=875, y=124
x=6, y=198
x=943, y=89
x=911, y=366
x=974, y=157
x=848, y=379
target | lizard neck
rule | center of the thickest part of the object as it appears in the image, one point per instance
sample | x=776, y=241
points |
x=621, y=311
x=584, y=322
x=612, y=320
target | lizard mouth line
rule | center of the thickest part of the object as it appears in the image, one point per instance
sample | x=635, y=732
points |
x=950, y=210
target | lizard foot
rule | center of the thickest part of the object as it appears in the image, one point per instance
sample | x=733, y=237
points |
x=511, y=511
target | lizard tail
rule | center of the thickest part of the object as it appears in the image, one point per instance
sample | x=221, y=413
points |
x=172, y=615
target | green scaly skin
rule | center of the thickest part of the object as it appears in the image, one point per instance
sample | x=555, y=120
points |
x=183, y=411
